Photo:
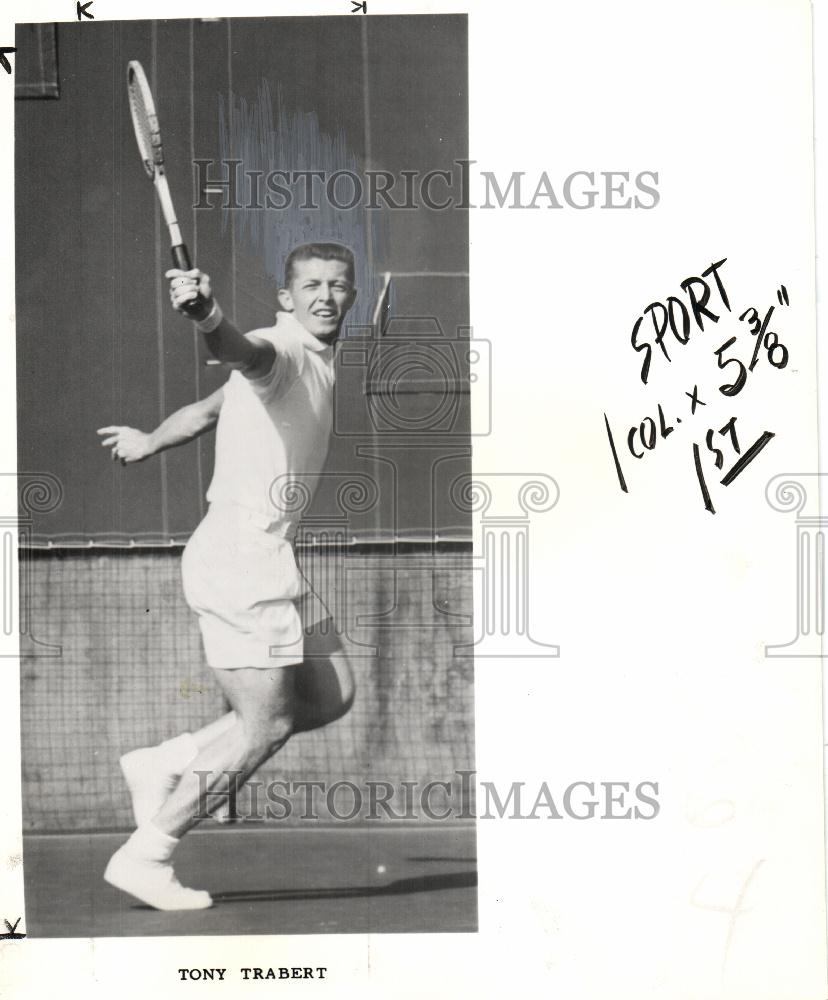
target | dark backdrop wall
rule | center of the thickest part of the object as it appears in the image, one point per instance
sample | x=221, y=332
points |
x=97, y=341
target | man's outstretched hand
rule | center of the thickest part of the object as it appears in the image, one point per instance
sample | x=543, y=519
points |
x=128, y=444
x=190, y=292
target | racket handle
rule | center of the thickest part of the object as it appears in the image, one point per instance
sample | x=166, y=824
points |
x=181, y=257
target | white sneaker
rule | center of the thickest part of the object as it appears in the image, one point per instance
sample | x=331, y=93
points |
x=148, y=782
x=152, y=882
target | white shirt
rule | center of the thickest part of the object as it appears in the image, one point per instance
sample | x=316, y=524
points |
x=275, y=430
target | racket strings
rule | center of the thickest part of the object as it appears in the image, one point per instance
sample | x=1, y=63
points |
x=147, y=132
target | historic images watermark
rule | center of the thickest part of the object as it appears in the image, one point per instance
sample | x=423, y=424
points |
x=462, y=187
x=415, y=799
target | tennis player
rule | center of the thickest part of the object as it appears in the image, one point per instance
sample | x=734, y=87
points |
x=281, y=669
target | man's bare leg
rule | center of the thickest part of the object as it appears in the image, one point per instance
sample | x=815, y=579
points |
x=324, y=687
x=264, y=704
x=324, y=691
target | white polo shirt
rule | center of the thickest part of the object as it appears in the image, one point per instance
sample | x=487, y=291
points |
x=277, y=428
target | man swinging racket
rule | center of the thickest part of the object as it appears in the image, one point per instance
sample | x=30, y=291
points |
x=282, y=671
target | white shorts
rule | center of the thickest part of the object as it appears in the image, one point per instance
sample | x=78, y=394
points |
x=252, y=601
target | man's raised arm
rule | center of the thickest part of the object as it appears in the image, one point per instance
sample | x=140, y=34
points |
x=253, y=358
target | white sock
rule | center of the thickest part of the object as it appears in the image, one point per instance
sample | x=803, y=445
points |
x=151, y=773
x=151, y=844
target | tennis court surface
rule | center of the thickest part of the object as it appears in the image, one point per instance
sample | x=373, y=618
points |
x=266, y=880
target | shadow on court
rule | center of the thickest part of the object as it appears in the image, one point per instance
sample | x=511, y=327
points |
x=421, y=857
x=265, y=880
x=425, y=883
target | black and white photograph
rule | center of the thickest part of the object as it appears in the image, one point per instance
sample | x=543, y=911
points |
x=247, y=693
x=413, y=499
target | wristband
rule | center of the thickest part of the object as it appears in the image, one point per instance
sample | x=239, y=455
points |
x=211, y=320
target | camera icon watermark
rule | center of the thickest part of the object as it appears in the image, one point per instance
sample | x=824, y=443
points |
x=414, y=376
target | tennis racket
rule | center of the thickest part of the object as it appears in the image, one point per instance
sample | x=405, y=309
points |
x=148, y=137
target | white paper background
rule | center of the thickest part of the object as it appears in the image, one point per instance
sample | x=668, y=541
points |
x=662, y=611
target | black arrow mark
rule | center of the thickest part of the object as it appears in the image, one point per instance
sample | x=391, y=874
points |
x=12, y=934
x=357, y=7
x=4, y=62
x=82, y=10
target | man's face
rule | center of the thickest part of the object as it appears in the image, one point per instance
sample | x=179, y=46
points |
x=319, y=296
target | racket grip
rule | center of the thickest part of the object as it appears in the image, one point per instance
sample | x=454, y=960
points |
x=181, y=257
